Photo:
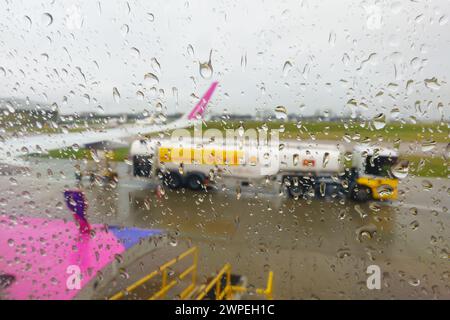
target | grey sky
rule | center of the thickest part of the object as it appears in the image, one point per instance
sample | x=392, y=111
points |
x=378, y=53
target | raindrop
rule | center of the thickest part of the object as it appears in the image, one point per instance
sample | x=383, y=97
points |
x=296, y=159
x=155, y=65
x=428, y=145
x=326, y=158
x=135, y=52
x=206, y=69
x=13, y=181
x=366, y=232
x=244, y=61
x=379, y=121
x=281, y=113
x=322, y=188
x=47, y=19
x=414, y=282
x=343, y=252
x=190, y=51
x=9, y=107
x=241, y=131
x=140, y=95
x=123, y=273
x=11, y=242
x=432, y=84
x=28, y=22
x=124, y=30
x=395, y=112
x=94, y=155
x=385, y=190
x=287, y=68
x=414, y=225
x=409, y=87
x=332, y=38
x=345, y=59
x=86, y=98
x=150, y=79
x=400, y=170
x=238, y=192
x=173, y=242
x=427, y=185
x=116, y=95
x=175, y=93
x=118, y=258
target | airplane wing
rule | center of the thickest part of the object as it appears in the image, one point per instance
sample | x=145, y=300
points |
x=13, y=148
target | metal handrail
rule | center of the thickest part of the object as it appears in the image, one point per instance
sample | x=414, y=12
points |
x=220, y=293
x=229, y=290
x=165, y=287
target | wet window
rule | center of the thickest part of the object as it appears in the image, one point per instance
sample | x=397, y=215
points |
x=292, y=149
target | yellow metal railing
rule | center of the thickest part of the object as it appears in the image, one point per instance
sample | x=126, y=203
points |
x=228, y=291
x=163, y=271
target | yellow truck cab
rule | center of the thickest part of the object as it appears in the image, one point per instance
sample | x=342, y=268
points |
x=373, y=178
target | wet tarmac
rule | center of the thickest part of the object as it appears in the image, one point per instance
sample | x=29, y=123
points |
x=317, y=248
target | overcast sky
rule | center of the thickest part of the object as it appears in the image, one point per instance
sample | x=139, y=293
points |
x=389, y=57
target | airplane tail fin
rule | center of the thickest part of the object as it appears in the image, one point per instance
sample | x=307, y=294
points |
x=77, y=203
x=200, y=108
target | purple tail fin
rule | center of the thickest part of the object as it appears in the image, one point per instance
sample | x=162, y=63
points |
x=76, y=202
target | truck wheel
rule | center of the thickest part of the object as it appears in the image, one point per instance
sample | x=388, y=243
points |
x=194, y=181
x=361, y=193
x=173, y=180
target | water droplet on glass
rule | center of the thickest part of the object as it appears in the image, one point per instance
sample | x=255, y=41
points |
x=287, y=68
x=414, y=225
x=379, y=121
x=206, y=69
x=326, y=158
x=135, y=53
x=124, y=30
x=155, y=65
x=190, y=51
x=432, y=84
x=244, y=61
x=428, y=145
x=28, y=22
x=86, y=98
x=427, y=185
x=116, y=95
x=46, y=19
x=400, y=170
x=443, y=20
x=151, y=79
x=11, y=242
x=281, y=113
x=10, y=107
x=140, y=95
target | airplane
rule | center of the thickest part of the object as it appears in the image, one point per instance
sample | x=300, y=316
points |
x=12, y=149
x=45, y=271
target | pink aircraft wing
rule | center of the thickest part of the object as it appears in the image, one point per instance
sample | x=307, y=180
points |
x=39, y=254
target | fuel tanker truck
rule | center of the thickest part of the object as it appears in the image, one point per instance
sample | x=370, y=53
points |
x=302, y=169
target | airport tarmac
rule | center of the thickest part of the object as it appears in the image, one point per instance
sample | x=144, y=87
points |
x=317, y=249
